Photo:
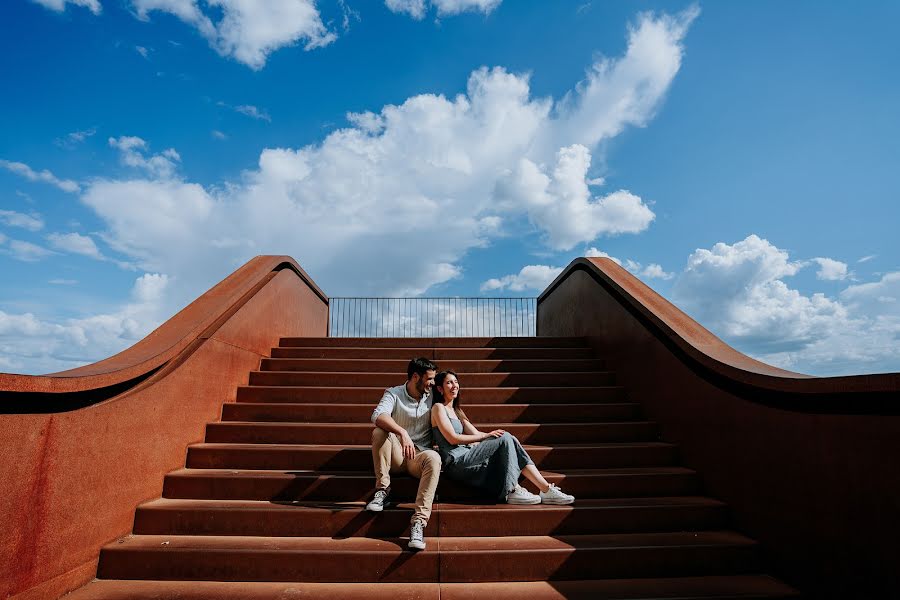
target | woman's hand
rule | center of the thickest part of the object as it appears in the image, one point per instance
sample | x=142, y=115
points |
x=495, y=434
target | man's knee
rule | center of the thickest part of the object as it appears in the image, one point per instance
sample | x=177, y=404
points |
x=431, y=462
x=379, y=436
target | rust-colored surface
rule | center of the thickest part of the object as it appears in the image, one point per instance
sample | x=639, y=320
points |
x=807, y=465
x=72, y=479
x=169, y=339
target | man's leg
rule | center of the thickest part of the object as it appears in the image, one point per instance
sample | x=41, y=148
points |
x=426, y=467
x=387, y=456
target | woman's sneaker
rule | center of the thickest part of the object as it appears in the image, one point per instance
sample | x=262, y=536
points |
x=556, y=496
x=417, y=536
x=520, y=495
x=378, y=502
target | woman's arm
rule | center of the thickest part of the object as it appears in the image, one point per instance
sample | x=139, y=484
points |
x=472, y=430
x=440, y=420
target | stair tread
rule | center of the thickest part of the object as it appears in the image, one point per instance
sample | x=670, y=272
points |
x=331, y=447
x=564, y=543
x=267, y=505
x=716, y=586
x=368, y=424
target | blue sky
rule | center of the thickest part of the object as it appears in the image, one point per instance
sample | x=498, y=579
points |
x=741, y=158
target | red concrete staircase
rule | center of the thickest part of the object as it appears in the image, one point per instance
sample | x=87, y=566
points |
x=270, y=505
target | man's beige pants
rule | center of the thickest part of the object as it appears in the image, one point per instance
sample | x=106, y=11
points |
x=387, y=454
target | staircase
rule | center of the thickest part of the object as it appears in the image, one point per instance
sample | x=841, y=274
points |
x=270, y=505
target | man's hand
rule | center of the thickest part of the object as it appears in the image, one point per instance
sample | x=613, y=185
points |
x=409, y=449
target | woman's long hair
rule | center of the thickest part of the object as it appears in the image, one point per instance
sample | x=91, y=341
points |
x=439, y=395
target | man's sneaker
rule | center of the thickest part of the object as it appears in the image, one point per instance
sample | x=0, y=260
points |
x=520, y=495
x=416, y=536
x=556, y=496
x=378, y=502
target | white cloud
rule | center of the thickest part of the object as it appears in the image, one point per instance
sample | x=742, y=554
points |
x=531, y=277
x=142, y=51
x=32, y=222
x=66, y=185
x=34, y=345
x=253, y=112
x=132, y=153
x=60, y=5
x=28, y=252
x=349, y=207
x=867, y=258
x=417, y=8
x=738, y=292
x=248, y=31
x=651, y=271
x=830, y=269
x=76, y=244
x=218, y=135
x=63, y=282
x=70, y=140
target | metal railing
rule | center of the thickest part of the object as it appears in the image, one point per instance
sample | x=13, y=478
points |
x=432, y=317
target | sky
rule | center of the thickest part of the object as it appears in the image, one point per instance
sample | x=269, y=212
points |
x=738, y=157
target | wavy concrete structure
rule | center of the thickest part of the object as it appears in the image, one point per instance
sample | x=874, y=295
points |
x=805, y=465
x=83, y=447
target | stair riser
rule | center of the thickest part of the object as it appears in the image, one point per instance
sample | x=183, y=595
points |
x=464, y=342
x=356, y=489
x=329, y=433
x=360, y=459
x=462, y=367
x=350, y=413
x=266, y=564
x=543, y=520
x=435, y=354
x=354, y=395
x=288, y=378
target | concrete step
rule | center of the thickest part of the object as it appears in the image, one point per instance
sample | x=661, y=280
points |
x=435, y=354
x=384, y=380
x=481, y=413
x=359, y=457
x=473, y=395
x=438, y=342
x=344, y=519
x=446, y=559
x=462, y=367
x=361, y=433
x=712, y=587
x=356, y=486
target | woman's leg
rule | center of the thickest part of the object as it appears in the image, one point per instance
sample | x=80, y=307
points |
x=532, y=474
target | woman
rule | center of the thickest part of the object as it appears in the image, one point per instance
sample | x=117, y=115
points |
x=491, y=461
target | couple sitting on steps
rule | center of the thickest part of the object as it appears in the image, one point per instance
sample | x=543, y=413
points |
x=410, y=418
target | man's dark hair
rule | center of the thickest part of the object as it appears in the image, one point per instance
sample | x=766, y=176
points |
x=419, y=366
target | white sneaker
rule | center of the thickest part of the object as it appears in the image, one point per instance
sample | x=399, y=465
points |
x=416, y=536
x=378, y=502
x=520, y=495
x=556, y=496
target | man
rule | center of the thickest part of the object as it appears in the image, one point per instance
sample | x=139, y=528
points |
x=401, y=443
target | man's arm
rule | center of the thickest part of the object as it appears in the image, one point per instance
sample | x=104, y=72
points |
x=382, y=418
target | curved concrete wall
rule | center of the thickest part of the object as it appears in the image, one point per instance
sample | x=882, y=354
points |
x=73, y=476
x=808, y=465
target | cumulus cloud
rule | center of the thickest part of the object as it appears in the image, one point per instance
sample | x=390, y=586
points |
x=738, y=292
x=349, y=206
x=417, y=8
x=60, y=5
x=253, y=112
x=531, y=277
x=76, y=244
x=248, y=31
x=33, y=345
x=31, y=222
x=132, y=151
x=830, y=269
x=19, y=168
